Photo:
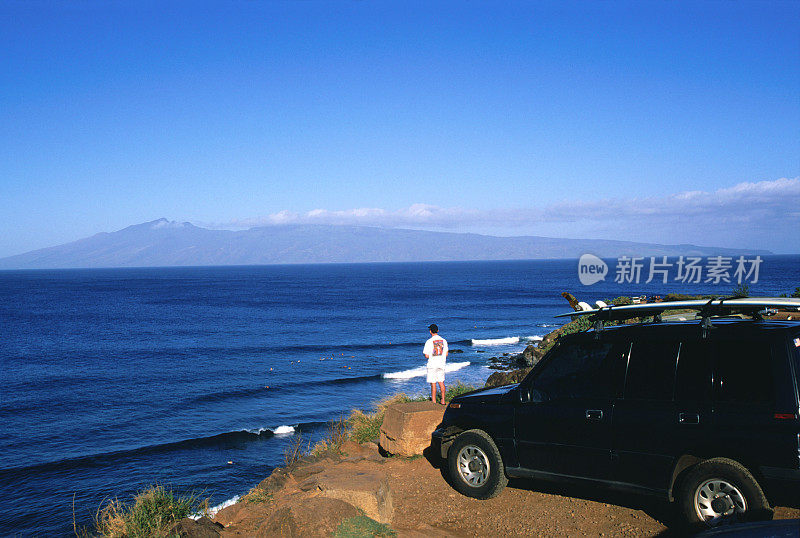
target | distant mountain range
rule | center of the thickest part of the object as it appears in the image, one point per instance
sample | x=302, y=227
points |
x=167, y=243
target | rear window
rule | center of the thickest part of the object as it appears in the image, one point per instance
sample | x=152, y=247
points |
x=745, y=370
x=651, y=370
x=795, y=345
x=693, y=379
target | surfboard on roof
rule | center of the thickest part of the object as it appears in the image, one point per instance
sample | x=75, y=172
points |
x=707, y=307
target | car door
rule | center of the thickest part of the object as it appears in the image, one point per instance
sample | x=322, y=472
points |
x=747, y=422
x=563, y=425
x=665, y=409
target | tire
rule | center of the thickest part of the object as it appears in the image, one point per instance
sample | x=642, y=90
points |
x=720, y=491
x=475, y=467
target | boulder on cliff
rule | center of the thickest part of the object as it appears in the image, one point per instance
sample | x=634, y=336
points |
x=367, y=489
x=307, y=517
x=407, y=427
x=274, y=481
x=498, y=379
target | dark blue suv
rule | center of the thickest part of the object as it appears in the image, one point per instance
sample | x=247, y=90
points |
x=705, y=417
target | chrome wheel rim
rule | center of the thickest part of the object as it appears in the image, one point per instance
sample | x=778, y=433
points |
x=716, y=500
x=473, y=466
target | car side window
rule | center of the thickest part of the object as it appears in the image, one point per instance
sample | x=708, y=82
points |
x=744, y=369
x=651, y=370
x=693, y=378
x=577, y=370
x=795, y=347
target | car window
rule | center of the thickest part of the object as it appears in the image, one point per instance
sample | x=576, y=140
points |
x=577, y=370
x=744, y=369
x=794, y=345
x=651, y=370
x=693, y=377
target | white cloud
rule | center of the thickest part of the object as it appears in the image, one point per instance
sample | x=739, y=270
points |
x=753, y=203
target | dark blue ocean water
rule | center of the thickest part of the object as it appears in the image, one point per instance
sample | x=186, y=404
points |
x=114, y=379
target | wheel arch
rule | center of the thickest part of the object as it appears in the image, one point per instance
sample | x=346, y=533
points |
x=684, y=463
x=687, y=461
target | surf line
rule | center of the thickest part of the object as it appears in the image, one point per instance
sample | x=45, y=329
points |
x=422, y=371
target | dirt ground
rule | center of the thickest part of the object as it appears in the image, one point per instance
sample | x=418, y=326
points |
x=424, y=504
x=526, y=508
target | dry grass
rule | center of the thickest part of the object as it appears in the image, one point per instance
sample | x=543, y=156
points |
x=257, y=496
x=365, y=427
x=295, y=452
x=338, y=433
x=153, y=511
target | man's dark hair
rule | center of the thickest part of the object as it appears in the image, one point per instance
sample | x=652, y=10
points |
x=433, y=328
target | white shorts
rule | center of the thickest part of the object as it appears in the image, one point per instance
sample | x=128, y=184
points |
x=435, y=375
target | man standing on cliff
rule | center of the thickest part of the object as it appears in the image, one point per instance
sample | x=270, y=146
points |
x=435, y=351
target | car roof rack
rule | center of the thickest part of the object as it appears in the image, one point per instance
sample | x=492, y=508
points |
x=755, y=307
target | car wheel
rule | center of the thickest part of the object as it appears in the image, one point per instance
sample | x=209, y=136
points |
x=475, y=466
x=720, y=491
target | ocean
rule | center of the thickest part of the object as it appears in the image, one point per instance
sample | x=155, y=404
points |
x=198, y=378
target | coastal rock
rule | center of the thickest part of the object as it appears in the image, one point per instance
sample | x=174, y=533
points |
x=366, y=489
x=307, y=470
x=527, y=358
x=189, y=528
x=243, y=514
x=499, y=379
x=407, y=427
x=356, y=452
x=274, y=481
x=456, y=351
x=351, y=448
x=315, y=517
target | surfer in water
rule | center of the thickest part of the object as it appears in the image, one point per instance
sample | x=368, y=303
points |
x=435, y=351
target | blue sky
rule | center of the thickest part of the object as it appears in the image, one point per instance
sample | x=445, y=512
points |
x=668, y=122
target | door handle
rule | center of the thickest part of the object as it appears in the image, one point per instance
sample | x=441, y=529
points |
x=688, y=418
x=594, y=414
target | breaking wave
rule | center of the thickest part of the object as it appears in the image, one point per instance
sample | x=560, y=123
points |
x=104, y=458
x=503, y=341
x=422, y=371
x=495, y=341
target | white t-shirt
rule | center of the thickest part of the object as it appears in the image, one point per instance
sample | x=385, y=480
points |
x=436, y=350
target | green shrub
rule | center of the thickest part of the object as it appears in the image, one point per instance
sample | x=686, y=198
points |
x=742, y=290
x=257, y=496
x=457, y=390
x=796, y=292
x=153, y=511
x=366, y=427
x=683, y=297
x=362, y=527
x=620, y=301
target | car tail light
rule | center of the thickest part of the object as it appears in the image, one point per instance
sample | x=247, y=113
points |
x=785, y=416
x=455, y=406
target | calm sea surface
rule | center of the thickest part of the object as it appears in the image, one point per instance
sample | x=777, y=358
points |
x=114, y=379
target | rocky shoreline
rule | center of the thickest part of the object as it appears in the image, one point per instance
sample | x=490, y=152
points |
x=360, y=492
x=357, y=489
x=315, y=496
